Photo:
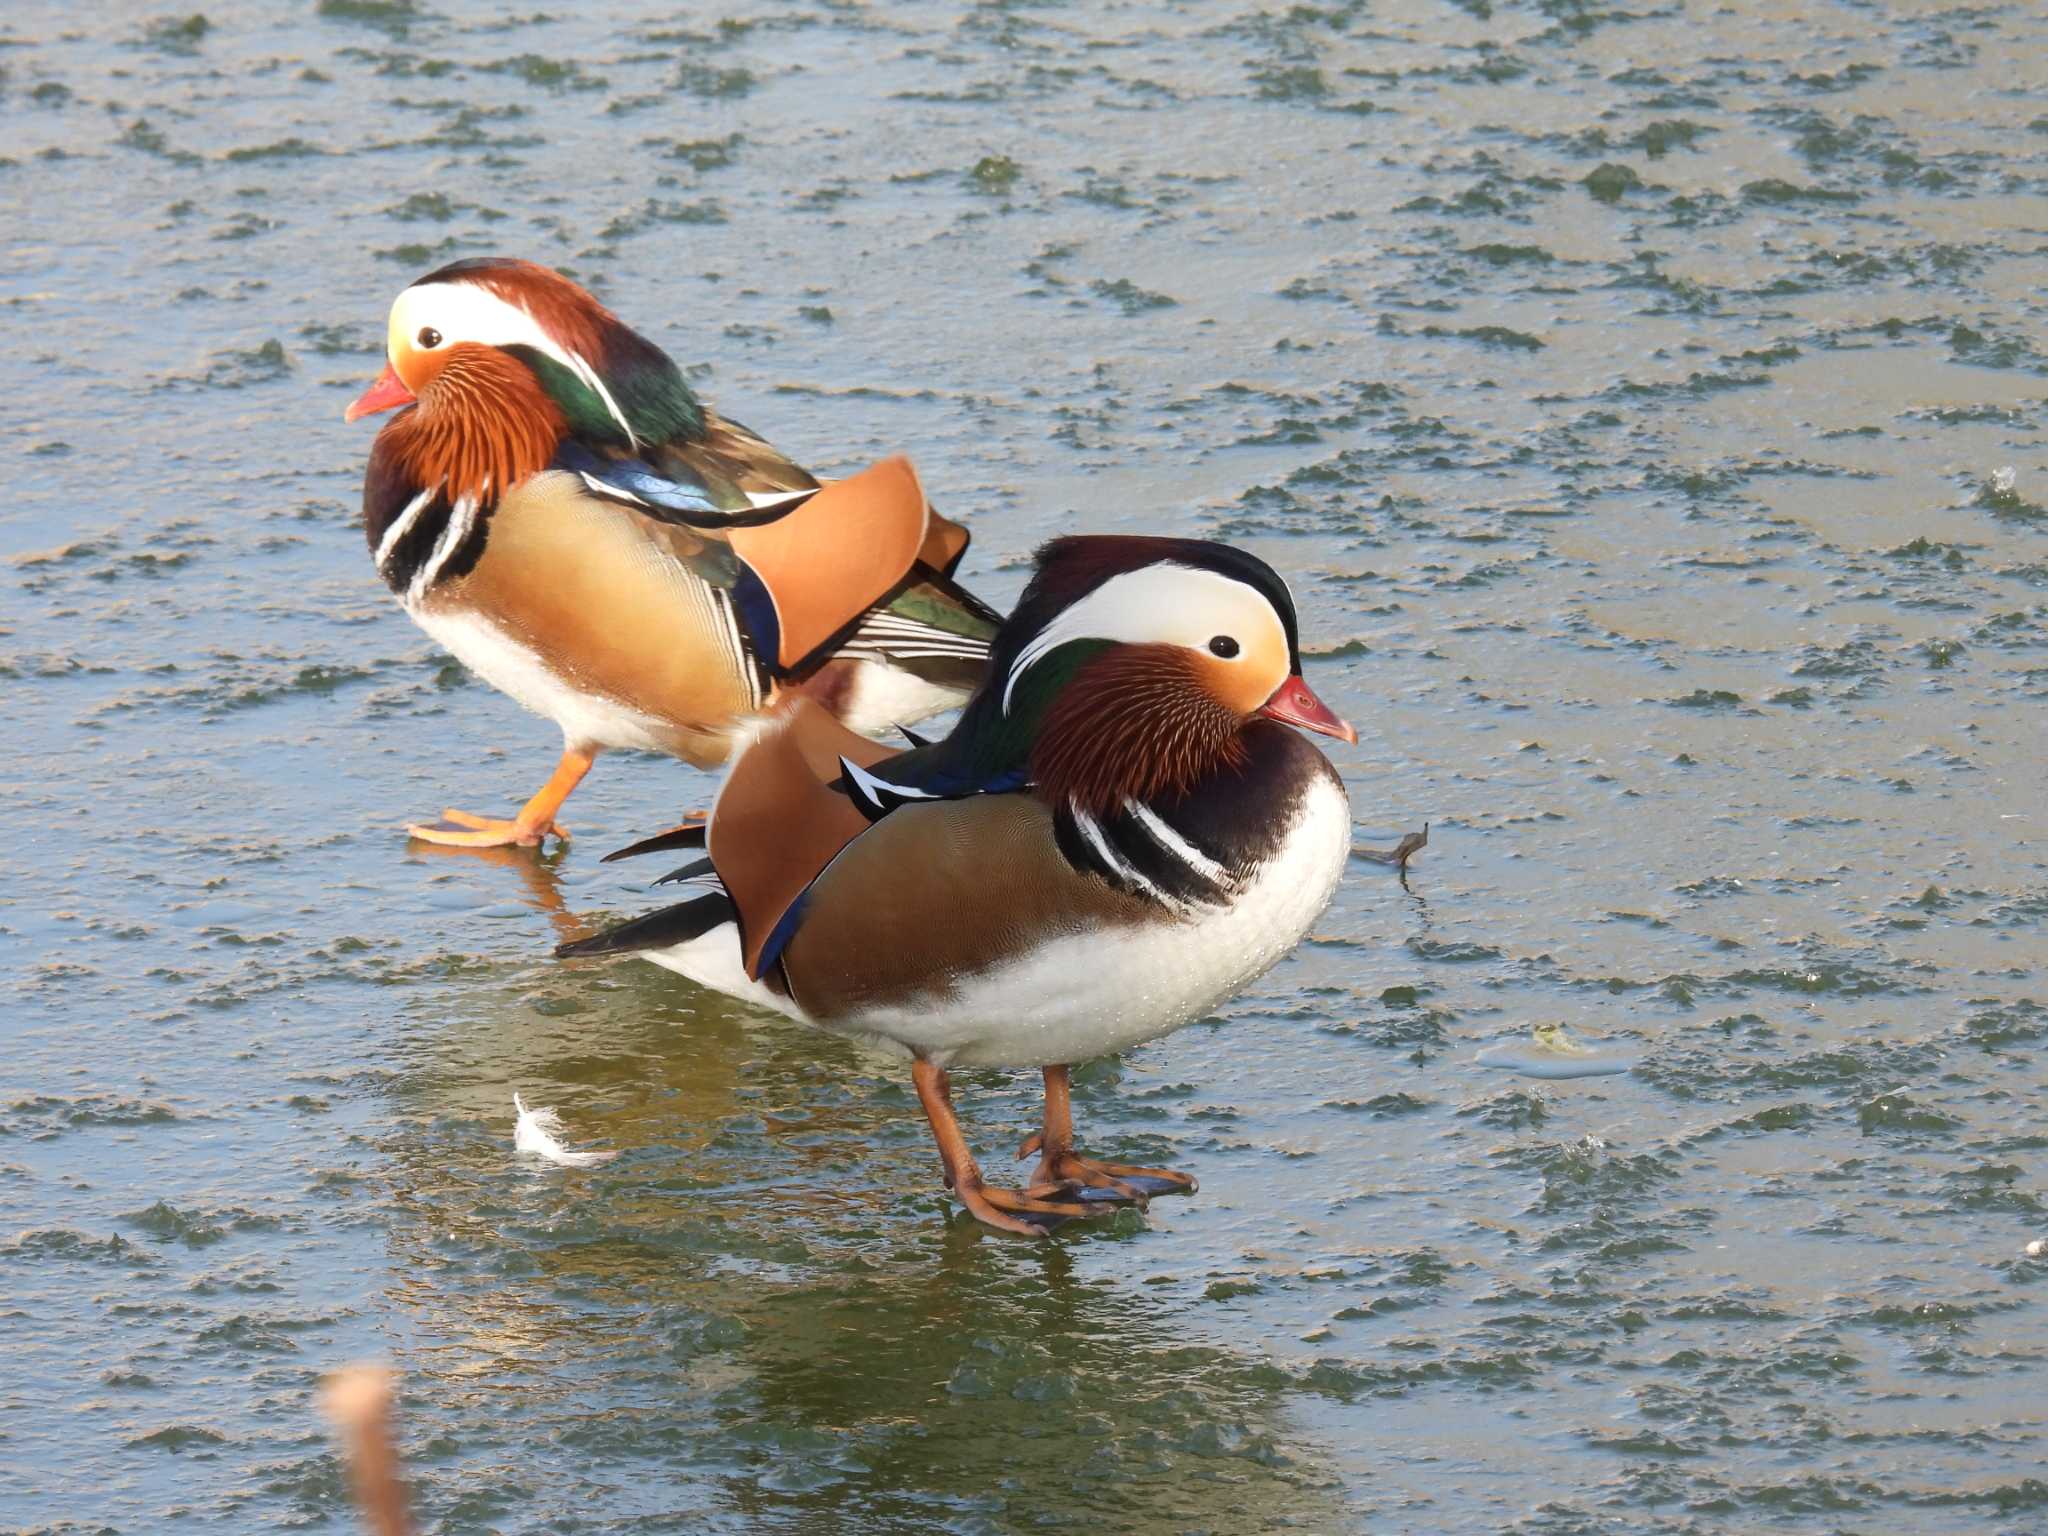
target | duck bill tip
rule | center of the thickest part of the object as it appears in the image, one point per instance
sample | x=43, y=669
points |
x=388, y=393
x=1295, y=703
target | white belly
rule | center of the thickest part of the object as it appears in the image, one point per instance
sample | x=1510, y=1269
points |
x=713, y=960
x=588, y=720
x=1108, y=991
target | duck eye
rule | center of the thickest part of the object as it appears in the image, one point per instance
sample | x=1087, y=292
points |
x=428, y=337
x=1224, y=646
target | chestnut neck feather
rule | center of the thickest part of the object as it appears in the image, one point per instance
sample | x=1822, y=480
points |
x=1134, y=723
x=482, y=425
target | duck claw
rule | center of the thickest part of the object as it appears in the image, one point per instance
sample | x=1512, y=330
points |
x=1025, y=1211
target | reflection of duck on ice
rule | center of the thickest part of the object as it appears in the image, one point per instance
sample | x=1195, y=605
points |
x=896, y=1383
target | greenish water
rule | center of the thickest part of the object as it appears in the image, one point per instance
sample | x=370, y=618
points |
x=1626, y=392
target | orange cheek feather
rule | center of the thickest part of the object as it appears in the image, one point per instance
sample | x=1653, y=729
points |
x=488, y=425
x=1244, y=684
x=1138, y=721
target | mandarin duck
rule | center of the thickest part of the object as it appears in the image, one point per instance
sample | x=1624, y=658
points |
x=1119, y=833
x=557, y=508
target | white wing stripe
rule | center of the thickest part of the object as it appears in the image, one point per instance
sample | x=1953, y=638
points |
x=875, y=648
x=1092, y=830
x=461, y=523
x=763, y=500
x=1169, y=839
x=606, y=488
x=401, y=526
x=871, y=787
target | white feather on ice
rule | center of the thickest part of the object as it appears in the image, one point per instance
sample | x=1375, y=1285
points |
x=536, y=1131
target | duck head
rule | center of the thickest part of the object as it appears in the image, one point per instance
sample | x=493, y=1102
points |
x=1136, y=665
x=502, y=359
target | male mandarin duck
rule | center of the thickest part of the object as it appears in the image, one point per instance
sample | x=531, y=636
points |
x=557, y=508
x=1119, y=833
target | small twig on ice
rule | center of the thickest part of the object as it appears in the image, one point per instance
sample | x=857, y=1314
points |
x=1400, y=853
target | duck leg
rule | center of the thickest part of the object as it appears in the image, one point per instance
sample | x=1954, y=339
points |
x=1062, y=1171
x=1007, y=1210
x=536, y=819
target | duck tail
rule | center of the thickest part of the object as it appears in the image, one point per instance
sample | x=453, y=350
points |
x=670, y=926
x=689, y=834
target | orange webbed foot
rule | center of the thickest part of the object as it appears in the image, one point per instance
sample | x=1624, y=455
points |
x=532, y=826
x=459, y=829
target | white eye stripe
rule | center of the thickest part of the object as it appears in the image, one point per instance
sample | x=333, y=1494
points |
x=1166, y=603
x=466, y=312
